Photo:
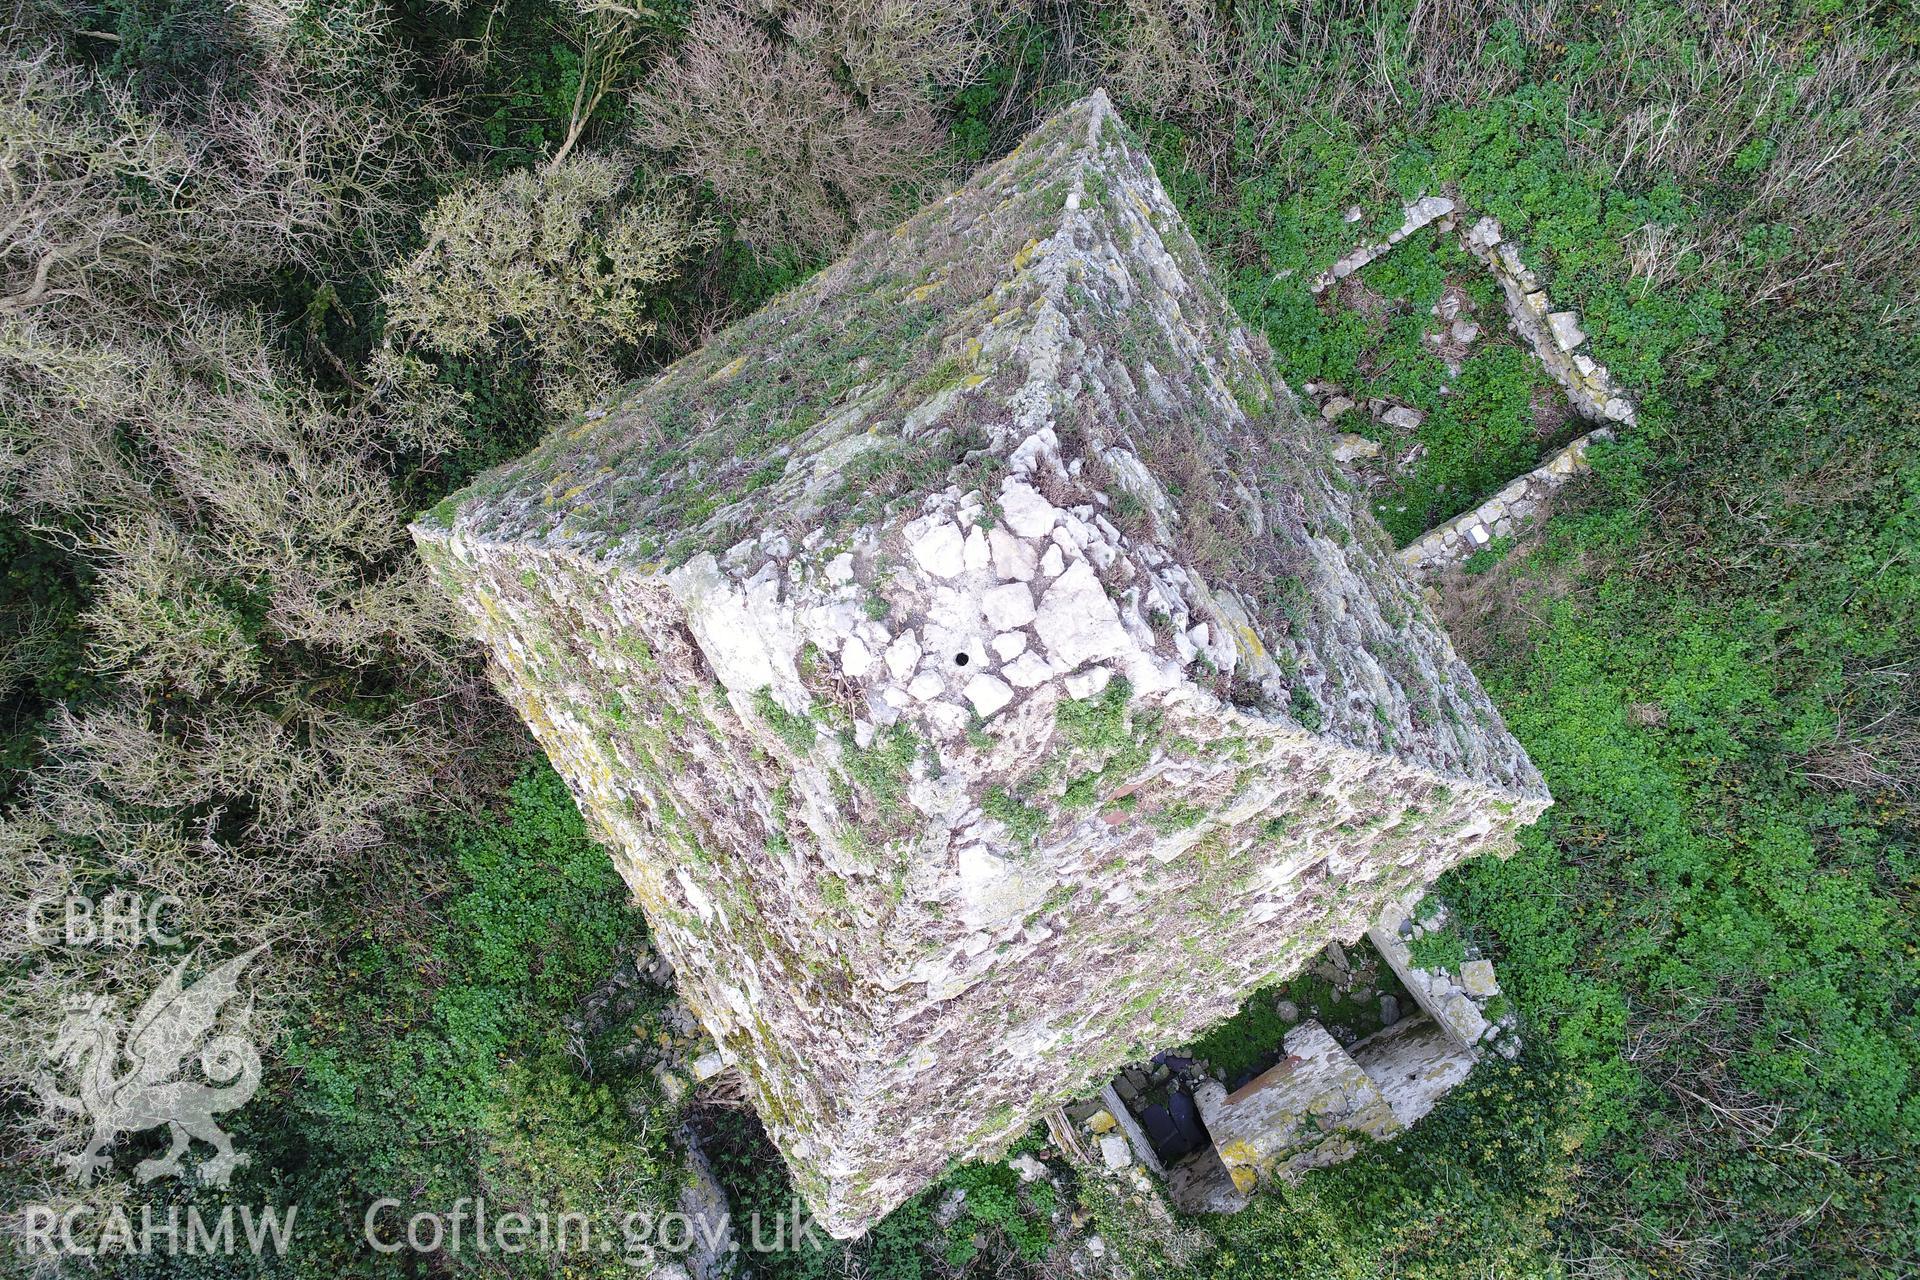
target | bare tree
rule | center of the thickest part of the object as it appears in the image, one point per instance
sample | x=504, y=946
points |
x=812, y=119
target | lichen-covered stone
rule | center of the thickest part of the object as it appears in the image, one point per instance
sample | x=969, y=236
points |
x=1317, y=1106
x=1414, y=1063
x=978, y=669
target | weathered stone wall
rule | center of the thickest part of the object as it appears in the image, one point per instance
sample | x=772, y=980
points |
x=1555, y=339
x=1507, y=513
x=1317, y=1107
x=978, y=670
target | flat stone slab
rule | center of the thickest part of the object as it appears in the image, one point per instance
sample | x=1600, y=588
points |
x=1317, y=1107
x=977, y=670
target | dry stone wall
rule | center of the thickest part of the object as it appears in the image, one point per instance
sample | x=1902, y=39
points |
x=1505, y=514
x=1556, y=341
x=978, y=669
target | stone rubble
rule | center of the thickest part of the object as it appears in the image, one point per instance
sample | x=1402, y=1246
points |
x=1504, y=515
x=1425, y=210
x=1554, y=336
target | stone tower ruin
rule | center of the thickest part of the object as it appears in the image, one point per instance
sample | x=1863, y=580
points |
x=978, y=670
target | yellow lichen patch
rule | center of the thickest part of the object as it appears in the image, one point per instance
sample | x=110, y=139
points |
x=1240, y=1157
x=925, y=291
x=1022, y=258
x=1244, y=1178
x=1101, y=1122
x=726, y=371
x=1248, y=642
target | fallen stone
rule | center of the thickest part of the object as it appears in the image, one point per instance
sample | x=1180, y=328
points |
x=1349, y=448
x=1013, y=558
x=1315, y=1108
x=1085, y=684
x=975, y=552
x=855, y=658
x=1026, y=512
x=1478, y=978
x=1007, y=607
x=988, y=694
x=1114, y=1152
x=1076, y=622
x=1028, y=670
x=903, y=655
x=1566, y=329
x=1028, y=1168
x=941, y=550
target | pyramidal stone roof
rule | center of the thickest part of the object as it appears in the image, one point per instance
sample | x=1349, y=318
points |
x=978, y=670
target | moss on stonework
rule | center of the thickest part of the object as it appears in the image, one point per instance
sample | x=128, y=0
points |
x=1022, y=821
x=797, y=731
x=867, y=340
x=1098, y=723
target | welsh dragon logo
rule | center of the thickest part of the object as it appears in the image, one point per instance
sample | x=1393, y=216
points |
x=133, y=1087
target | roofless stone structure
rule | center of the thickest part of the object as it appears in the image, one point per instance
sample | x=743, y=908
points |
x=978, y=670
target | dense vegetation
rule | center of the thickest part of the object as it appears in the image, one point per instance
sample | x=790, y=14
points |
x=272, y=277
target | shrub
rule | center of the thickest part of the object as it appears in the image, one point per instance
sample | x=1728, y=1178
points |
x=812, y=118
x=564, y=258
x=264, y=658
